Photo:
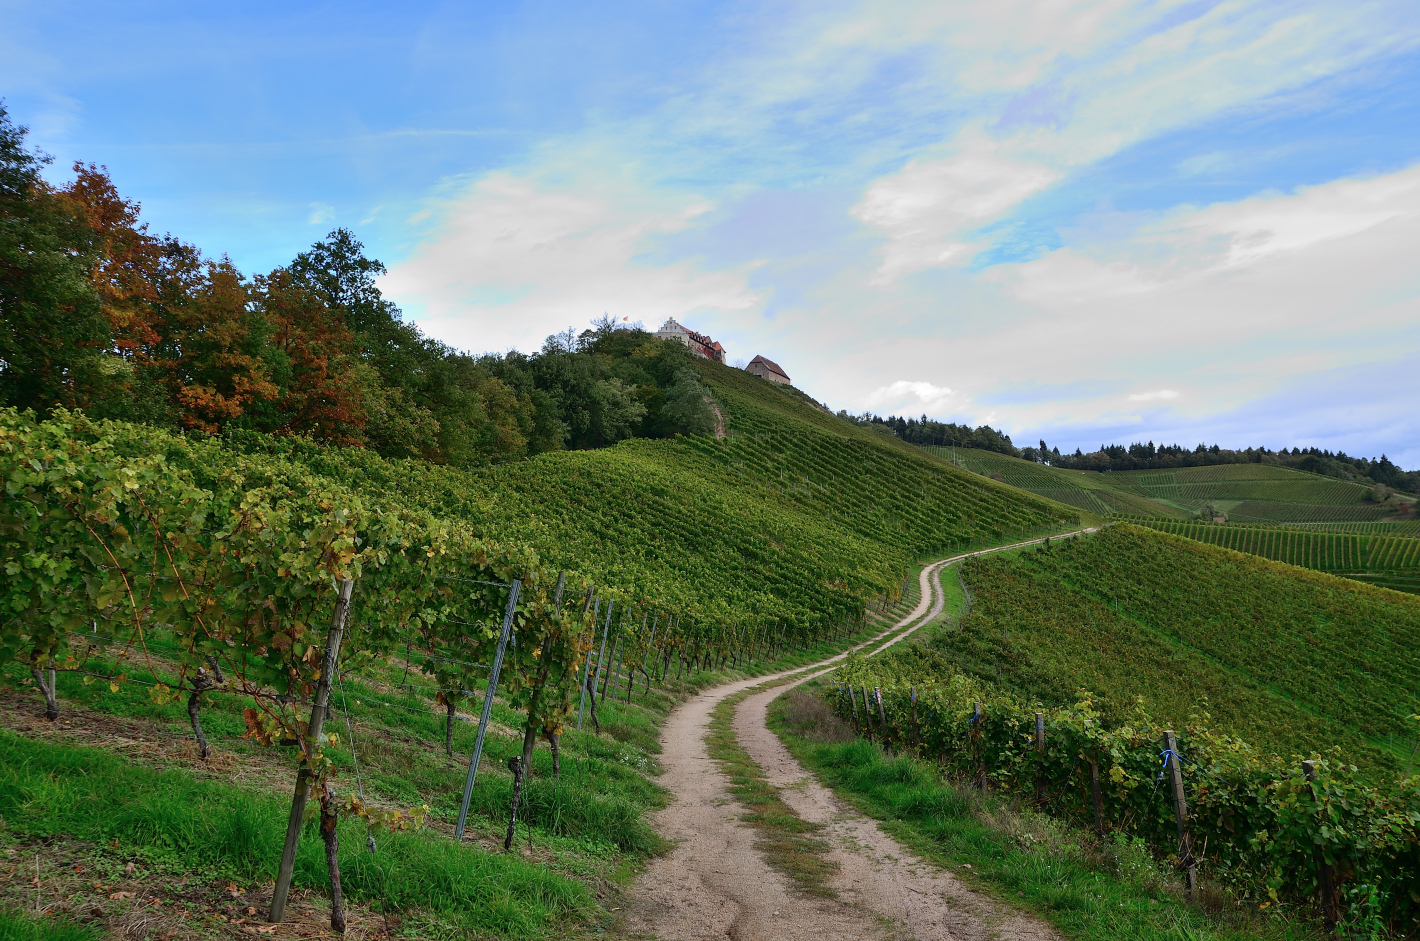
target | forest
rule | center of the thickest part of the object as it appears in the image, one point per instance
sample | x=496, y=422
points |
x=102, y=315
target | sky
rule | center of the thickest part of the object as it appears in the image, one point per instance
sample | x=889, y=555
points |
x=1087, y=222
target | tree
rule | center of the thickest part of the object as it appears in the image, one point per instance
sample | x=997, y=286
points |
x=689, y=404
x=52, y=330
x=213, y=353
x=319, y=397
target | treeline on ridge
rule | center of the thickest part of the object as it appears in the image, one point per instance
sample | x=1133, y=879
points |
x=1146, y=456
x=97, y=313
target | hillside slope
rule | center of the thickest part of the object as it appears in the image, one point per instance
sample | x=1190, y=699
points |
x=1381, y=558
x=1288, y=659
x=793, y=515
x=1275, y=512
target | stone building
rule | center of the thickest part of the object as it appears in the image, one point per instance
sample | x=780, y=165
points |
x=699, y=343
x=767, y=369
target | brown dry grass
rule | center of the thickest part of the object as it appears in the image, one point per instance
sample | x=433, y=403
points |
x=92, y=885
x=810, y=717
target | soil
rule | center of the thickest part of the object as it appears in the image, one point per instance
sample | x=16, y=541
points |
x=714, y=884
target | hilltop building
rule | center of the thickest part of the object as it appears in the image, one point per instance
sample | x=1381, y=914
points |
x=767, y=369
x=699, y=343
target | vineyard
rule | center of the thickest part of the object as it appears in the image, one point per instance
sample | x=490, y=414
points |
x=1243, y=492
x=1324, y=551
x=1114, y=638
x=266, y=580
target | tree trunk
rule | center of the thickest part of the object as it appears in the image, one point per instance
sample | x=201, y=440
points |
x=451, y=706
x=556, y=756
x=529, y=743
x=201, y=682
x=515, y=765
x=216, y=668
x=51, y=705
x=329, y=818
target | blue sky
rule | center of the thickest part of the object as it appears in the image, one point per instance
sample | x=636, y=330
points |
x=1093, y=221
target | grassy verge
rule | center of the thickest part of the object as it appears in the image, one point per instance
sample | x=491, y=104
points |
x=789, y=843
x=172, y=823
x=1090, y=890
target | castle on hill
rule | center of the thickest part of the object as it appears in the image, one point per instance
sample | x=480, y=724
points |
x=701, y=345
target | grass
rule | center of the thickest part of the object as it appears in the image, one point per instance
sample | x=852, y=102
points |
x=1090, y=890
x=1286, y=658
x=1251, y=492
x=176, y=823
x=17, y=926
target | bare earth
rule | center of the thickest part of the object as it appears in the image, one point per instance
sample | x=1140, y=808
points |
x=714, y=884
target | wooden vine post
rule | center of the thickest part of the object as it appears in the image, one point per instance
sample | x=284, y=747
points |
x=508, y=614
x=853, y=709
x=1039, y=758
x=312, y=744
x=1185, y=845
x=1095, y=799
x=867, y=715
x=976, y=720
x=1326, y=884
x=912, y=691
x=882, y=714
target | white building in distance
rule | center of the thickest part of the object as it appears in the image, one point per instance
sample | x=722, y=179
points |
x=699, y=343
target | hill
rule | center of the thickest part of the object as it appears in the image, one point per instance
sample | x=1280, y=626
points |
x=792, y=514
x=1382, y=558
x=1290, y=660
x=1290, y=515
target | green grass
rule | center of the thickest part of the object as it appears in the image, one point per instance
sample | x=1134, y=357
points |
x=1376, y=557
x=177, y=823
x=17, y=926
x=1245, y=492
x=1090, y=891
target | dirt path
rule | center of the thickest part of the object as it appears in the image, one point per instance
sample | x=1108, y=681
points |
x=714, y=884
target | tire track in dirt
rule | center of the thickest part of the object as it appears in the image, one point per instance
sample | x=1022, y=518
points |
x=714, y=884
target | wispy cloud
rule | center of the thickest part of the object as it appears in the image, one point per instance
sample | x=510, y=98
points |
x=514, y=258
x=912, y=397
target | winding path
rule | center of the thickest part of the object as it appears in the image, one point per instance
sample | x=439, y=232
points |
x=715, y=885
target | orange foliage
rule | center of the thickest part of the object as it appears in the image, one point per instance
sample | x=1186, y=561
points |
x=210, y=352
x=128, y=259
x=320, y=399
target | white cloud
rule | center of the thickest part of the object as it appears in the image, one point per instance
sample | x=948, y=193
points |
x=913, y=397
x=1162, y=395
x=321, y=213
x=1087, y=80
x=927, y=208
x=514, y=258
x=1256, y=228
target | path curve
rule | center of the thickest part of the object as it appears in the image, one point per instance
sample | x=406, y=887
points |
x=715, y=885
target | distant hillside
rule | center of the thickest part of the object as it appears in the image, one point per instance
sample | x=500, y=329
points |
x=1290, y=516
x=1288, y=659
